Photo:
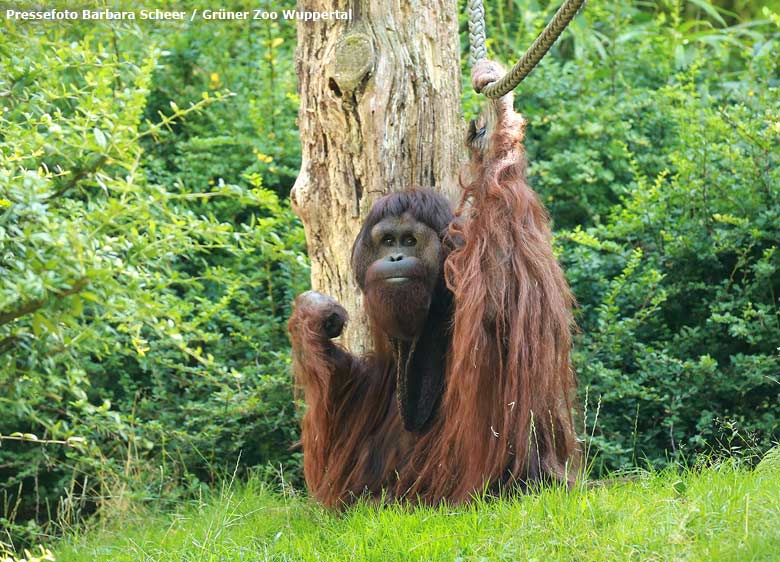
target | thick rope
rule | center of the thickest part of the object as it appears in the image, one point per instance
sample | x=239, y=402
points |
x=532, y=56
x=476, y=13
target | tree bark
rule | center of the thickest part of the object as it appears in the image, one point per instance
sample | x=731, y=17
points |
x=379, y=112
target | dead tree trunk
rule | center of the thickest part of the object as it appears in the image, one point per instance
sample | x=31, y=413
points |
x=380, y=112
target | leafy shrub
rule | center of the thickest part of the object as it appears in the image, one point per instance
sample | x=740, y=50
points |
x=142, y=338
x=662, y=177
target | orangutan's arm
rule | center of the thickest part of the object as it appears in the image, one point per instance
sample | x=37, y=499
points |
x=510, y=386
x=318, y=362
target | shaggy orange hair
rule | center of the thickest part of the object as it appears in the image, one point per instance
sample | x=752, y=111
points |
x=505, y=415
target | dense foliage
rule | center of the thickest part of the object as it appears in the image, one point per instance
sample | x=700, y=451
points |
x=146, y=271
x=661, y=167
x=148, y=258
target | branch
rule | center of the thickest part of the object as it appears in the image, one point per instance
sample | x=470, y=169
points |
x=32, y=306
x=78, y=176
x=76, y=442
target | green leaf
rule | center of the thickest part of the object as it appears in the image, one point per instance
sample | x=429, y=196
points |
x=100, y=138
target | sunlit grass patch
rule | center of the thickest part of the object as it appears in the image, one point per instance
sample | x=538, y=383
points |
x=719, y=513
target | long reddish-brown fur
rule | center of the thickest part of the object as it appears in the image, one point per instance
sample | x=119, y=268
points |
x=505, y=419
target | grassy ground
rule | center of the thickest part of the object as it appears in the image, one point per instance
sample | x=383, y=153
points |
x=721, y=513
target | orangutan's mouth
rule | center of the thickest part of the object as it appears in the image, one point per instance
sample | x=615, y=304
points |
x=397, y=279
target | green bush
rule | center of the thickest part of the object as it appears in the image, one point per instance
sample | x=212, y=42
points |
x=142, y=315
x=660, y=167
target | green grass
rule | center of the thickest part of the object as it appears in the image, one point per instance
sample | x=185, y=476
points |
x=721, y=513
